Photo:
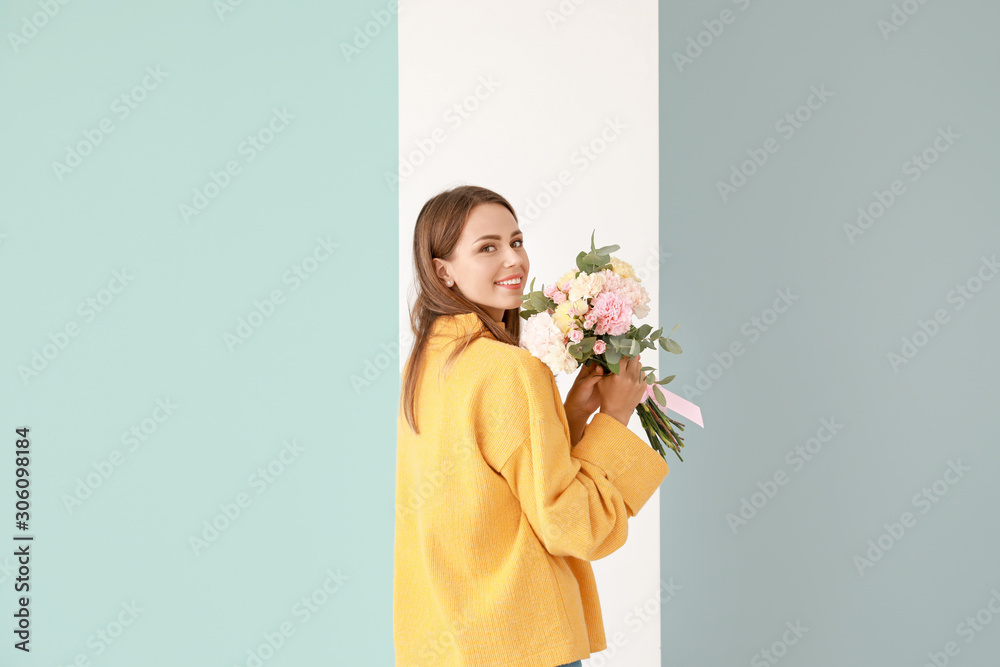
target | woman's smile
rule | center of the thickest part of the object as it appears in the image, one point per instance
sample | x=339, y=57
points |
x=513, y=283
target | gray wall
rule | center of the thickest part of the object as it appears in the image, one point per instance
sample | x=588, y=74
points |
x=869, y=538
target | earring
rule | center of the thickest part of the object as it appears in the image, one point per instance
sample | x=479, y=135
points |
x=449, y=283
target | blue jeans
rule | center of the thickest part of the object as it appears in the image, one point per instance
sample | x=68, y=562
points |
x=578, y=663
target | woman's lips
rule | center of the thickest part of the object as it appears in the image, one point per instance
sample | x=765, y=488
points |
x=515, y=286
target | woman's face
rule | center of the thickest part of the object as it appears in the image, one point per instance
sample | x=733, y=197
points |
x=490, y=250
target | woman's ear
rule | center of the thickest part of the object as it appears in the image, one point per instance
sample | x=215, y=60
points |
x=441, y=269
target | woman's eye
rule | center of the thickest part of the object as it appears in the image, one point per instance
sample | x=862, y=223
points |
x=521, y=241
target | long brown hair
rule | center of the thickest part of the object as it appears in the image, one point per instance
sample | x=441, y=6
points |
x=436, y=234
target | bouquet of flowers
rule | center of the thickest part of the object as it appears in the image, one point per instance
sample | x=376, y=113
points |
x=586, y=316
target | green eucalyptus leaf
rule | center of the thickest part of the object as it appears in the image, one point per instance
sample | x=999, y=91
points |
x=612, y=355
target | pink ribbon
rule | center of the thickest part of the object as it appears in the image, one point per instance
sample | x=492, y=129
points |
x=675, y=403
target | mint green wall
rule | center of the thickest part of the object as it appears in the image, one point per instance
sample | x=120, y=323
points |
x=274, y=426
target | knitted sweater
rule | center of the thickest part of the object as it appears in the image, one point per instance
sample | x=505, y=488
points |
x=498, y=515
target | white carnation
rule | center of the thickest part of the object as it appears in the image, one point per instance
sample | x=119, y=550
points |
x=543, y=339
x=586, y=286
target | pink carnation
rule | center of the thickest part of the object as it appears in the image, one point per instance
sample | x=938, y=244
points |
x=630, y=290
x=550, y=291
x=613, y=313
x=612, y=281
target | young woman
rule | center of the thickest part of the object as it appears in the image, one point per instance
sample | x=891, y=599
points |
x=503, y=492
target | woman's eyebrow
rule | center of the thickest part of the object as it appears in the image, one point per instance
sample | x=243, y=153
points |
x=496, y=236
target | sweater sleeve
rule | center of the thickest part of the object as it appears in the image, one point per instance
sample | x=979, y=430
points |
x=577, y=499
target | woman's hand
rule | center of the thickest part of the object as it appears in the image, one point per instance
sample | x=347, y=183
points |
x=583, y=398
x=622, y=393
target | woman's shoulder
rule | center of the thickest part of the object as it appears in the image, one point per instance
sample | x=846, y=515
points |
x=487, y=347
x=502, y=362
x=482, y=358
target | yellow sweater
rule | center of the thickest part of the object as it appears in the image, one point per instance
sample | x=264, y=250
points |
x=497, y=515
